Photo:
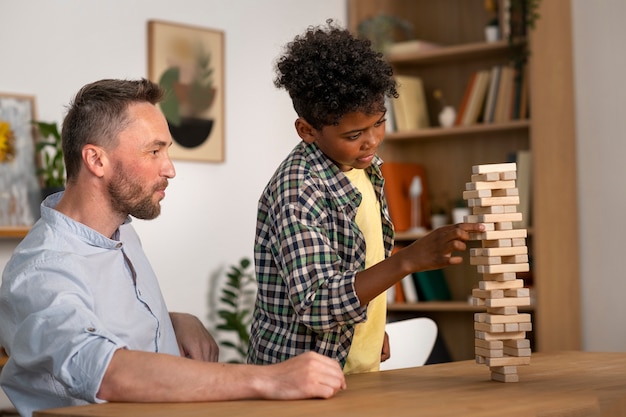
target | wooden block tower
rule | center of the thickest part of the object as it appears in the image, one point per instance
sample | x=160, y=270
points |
x=500, y=332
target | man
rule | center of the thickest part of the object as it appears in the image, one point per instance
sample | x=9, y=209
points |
x=81, y=313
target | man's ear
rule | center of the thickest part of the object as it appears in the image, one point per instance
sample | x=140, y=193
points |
x=94, y=159
x=306, y=132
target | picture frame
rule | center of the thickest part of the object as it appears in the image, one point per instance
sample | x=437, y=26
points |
x=188, y=62
x=20, y=192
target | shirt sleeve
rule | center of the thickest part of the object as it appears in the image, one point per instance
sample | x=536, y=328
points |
x=314, y=253
x=56, y=330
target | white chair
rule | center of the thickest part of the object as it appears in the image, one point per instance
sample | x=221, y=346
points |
x=411, y=341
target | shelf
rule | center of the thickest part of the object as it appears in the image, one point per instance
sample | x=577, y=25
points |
x=445, y=306
x=456, y=131
x=13, y=232
x=446, y=54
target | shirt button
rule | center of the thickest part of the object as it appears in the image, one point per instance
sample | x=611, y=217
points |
x=119, y=245
x=91, y=329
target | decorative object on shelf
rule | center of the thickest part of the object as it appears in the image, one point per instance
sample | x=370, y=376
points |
x=51, y=169
x=492, y=29
x=447, y=115
x=238, y=295
x=381, y=30
x=19, y=188
x=188, y=62
x=415, y=195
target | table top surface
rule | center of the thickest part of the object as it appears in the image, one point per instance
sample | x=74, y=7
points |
x=554, y=384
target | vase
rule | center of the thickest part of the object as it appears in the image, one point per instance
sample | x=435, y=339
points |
x=447, y=116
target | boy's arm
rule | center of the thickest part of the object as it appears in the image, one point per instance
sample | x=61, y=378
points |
x=433, y=251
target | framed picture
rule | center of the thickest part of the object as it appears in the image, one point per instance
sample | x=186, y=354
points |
x=19, y=186
x=188, y=62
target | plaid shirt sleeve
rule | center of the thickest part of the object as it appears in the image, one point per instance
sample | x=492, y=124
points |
x=307, y=252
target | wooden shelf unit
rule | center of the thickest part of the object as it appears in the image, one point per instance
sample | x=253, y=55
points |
x=448, y=154
x=13, y=232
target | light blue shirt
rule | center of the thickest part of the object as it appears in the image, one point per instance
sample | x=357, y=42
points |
x=70, y=297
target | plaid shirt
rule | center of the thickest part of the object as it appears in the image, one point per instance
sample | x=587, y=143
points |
x=308, y=250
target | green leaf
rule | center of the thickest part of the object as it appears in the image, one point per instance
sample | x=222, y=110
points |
x=169, y=105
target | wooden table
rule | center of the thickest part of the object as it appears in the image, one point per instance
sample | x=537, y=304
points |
x=558, y=384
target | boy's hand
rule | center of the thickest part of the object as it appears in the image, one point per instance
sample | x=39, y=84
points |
x=436, y=249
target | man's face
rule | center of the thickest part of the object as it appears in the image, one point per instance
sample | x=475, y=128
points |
x=353, y=142
x=141, y=164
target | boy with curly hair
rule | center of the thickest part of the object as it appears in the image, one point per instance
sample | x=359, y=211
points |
x=324, y=237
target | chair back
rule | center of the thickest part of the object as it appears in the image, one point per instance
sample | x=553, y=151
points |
x=411, y=341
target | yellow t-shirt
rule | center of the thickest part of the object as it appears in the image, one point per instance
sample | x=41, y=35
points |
x=367, y=344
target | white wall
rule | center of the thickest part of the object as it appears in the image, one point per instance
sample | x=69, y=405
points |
x=599, y=69
x=51, y=48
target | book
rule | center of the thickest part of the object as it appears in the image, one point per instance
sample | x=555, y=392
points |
x=524, y=184
x=477, y=98
x=398, y=178
x=504, y=97
x=492, y=93
x=410, y=109
x=390, y=124
x=412, y=46
x=465, y=100
x=432, y=285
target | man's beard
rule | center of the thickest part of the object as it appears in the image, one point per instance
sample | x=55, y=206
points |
x=129, y=197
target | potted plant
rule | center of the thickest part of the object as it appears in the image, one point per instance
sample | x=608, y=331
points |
x=237, y=297
x=51, y=169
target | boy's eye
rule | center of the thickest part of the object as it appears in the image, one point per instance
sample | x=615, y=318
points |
x=355, y=136
x=380, y=122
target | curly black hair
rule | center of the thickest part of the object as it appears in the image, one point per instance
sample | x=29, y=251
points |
x=328, y=73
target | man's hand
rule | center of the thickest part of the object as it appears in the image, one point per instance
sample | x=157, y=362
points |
x=194, y=340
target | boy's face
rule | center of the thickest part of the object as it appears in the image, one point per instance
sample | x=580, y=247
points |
x=350, y=144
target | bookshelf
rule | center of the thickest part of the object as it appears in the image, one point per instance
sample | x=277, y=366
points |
x=448, y=154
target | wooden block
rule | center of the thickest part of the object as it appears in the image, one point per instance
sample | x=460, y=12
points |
x=508, y=310
x=494, y=269
x=489, y=185
x=485, y=260
x=486, y=168
x=493, y=201
x=517, y=343
x=508, y=175
x=478, y=293
x=511, y=327
x=504, y=370
x=503, y=192
x=508, y=361
x=494, y=218
x=489, y=328
x=497, y=318
x=499, y=336
x=500, y=277
x=510, y=209
x=489, y=344
x=480, y=302
x=517, y=292
x=507, y=301
x=504, y=226
x=519, y=352
x=480, y=360
x=489, y=210
x=501, y=234
x=497, y=243
x=501, y=285
x=505, y=251
x=488, y=176
x=504, y=377
x=513, y=259
x=489, y=353
x=476, y=194
x=525, y=327
x=518, y=242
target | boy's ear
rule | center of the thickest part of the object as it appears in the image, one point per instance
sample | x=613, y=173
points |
x=305, y=130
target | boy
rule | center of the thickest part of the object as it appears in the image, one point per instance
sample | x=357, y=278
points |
x=324, y=236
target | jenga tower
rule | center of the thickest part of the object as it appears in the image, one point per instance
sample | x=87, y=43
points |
x=500, y=332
